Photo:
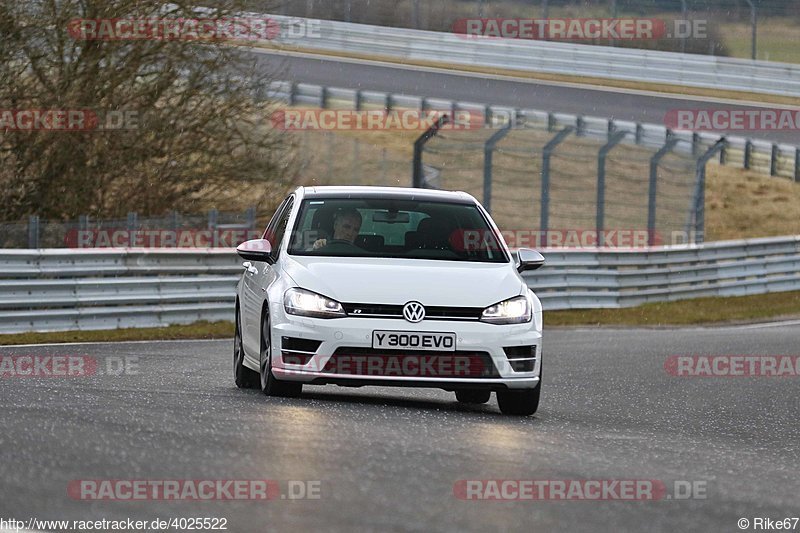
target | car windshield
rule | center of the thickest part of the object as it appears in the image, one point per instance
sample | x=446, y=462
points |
x=394, y=228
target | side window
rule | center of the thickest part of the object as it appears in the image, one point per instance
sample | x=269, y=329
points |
x=280, y=227
x=269, y=233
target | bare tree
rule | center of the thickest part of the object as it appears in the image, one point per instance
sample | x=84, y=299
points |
x=194, y=130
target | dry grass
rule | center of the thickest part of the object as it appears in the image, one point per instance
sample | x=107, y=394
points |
x=742, y=204
x=198, y=330
x=758, y=307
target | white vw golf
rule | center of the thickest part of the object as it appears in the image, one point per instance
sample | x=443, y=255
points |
x=362, y=286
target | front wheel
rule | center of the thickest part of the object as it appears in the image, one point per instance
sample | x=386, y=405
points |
x=473, y=396
x=270, y=385
x=519, y=402
x=242, y=376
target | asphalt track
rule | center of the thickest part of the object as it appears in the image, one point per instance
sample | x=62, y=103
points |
x=388, y=459
x=604, y=102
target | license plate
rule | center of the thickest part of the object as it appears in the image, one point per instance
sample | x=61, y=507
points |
x=414, y=340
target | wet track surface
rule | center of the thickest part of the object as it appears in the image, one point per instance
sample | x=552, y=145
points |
x=387, y=459
x=532, y=94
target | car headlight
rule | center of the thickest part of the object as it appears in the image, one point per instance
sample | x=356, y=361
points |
x=513, y=311
x=306, y=303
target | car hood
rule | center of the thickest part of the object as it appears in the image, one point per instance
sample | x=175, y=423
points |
x=397, y=281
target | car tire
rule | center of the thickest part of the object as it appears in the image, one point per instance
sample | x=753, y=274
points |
x=473, y=396
x=519, y=402
x=242, y=376
x=270, y=385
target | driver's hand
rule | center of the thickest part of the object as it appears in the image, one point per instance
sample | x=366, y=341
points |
x=319, y=243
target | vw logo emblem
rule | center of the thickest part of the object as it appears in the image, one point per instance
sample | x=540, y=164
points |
x=413, y=312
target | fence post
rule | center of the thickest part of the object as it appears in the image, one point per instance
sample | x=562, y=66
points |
x=488, y=151
x=33, y=232
x=417, y=175
x=653, y=189
x=213, y=215
x=173, y=217
x=699, y=204
x=547, y=151
x=601, y=180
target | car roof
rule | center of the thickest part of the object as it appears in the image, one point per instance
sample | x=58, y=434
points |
x=394, y=193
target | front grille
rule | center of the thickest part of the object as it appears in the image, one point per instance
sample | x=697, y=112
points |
x=396, y=311
x=411, y=363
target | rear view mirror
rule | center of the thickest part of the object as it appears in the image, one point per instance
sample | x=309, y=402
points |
x=528, y=259
x=391, y=217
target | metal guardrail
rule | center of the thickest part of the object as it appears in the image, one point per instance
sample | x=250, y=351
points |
x=551, y=57
x=760, y=156
x=59, y=290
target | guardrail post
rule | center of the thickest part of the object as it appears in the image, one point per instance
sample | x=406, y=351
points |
x=488, y=151
x=423, y=103
x=601, y=180
x=551, y=122
x=547, y=151
x=639, y=133
x=580, y=126
x=417, y=176
x=699, y=201
x=723, y=153
x=797, y=165
x=695, y=141
x=357, y=100
x=323, y=97
x=250, y=215
x=773, y=160
x=653, y=189
x=213, y=215
x=133, y=221
x=748, y=154
x=611, y=129
x=292, y=93
x=388, y=105
x=33, y=232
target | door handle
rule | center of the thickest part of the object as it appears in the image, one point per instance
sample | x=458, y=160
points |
x=250, y=268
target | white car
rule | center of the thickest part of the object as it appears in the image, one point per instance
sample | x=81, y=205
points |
x=387, y=286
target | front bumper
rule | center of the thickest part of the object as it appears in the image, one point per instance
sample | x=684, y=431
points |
x=337, y=336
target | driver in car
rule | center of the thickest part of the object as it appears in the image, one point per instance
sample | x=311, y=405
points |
x=346, y=225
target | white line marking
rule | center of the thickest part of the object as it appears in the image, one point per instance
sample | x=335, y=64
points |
x=2, y=346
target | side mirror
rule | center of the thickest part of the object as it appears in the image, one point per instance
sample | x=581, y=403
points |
x=256, y=250
x=528, y=259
